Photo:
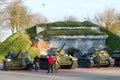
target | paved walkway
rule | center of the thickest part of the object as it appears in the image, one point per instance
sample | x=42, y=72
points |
x=111, y=73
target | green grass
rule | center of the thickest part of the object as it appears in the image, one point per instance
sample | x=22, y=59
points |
x=23, y=40
x=113, y=40
x=67, y=24
x=31, y=32
x=15, y=43
x=34, y=51
x=51, y=32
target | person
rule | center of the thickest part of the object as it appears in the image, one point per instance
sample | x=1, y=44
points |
x=106, y=50
x=98, y=61
x=56, y=64
x=50, y=63
x=36, y=63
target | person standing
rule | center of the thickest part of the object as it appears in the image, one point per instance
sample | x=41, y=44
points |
x=56, y=64
x=50, y=63
x=98, y=61
x=36, y=63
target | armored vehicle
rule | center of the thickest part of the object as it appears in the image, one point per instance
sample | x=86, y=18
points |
x=20, y=60
x=66, y=61
x=88, y=60
x=116, y=57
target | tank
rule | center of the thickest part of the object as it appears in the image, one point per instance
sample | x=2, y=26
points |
x=66, y=62
x=116, y=57
x=20, y=60
x=88, y=60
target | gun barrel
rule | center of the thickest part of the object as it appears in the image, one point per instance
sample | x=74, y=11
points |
x=18, y=53
x=61, y=47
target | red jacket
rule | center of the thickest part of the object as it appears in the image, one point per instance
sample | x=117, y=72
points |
x=51, y=60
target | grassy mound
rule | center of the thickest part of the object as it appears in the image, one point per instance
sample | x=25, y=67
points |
x=23, y=40
x=113, y=41
x=67, y=24
x=17, y=41
x=51, y=32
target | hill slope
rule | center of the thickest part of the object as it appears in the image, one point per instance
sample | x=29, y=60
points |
x=17, y=41
x=24, y=39
x=113, y=40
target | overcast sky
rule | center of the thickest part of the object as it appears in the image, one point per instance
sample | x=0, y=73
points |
x=57, y=9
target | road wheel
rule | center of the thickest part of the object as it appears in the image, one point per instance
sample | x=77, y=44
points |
x=6, y=66
x=29, y=67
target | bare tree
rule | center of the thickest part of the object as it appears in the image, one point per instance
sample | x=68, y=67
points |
x=116, y=25
x=13, y=15
x=2, y=17
x=38, y=18
x=2, y=11
x=107, y=18
x=18, y=16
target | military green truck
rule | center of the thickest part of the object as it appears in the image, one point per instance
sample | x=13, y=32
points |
x=20, y=60
x=66, y=62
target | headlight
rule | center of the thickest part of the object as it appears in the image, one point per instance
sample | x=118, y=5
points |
x=8, y=59
x=91, y=57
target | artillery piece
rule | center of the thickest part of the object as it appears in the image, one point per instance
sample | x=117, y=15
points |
x=17, y=61
x=88, y=60
x=66, y=61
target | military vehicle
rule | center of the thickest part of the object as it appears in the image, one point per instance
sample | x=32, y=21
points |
x=66, y=61
x=88, y=60
x=116, y=57
x=20, y=60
